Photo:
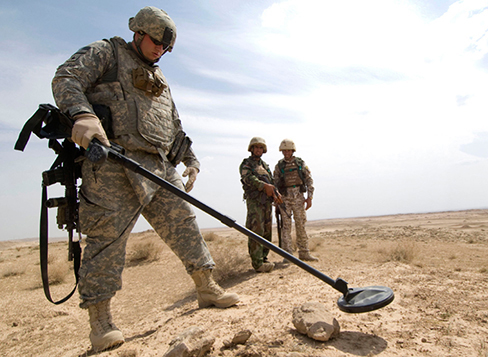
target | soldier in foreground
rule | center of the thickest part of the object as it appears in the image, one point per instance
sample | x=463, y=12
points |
x=293, y=178
x=259, y=193
x=124, y=77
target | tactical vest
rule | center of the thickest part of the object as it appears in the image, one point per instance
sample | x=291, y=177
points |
x=291, y=175
x=139, y=99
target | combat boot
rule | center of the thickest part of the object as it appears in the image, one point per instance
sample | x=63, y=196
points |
x=306, y=256
x=104, y=334
x=210, y=293
x=265, y=268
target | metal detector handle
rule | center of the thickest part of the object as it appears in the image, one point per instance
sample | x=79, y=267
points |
x=98, y=153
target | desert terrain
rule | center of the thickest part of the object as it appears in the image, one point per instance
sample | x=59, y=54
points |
x=436, y=264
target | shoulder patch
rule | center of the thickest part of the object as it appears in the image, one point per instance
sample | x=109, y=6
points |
x=78, y=53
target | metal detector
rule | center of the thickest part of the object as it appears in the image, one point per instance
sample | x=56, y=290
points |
x=354, y=300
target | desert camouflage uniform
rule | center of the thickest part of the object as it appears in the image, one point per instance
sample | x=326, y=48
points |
x=292, y=186
x=145, y=123
x=259, y=206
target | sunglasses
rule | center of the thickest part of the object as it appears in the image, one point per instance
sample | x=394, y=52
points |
x=167, y=38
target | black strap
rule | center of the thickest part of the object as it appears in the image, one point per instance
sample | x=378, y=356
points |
x=57, y=125
x=43, y=249
x=33, y=125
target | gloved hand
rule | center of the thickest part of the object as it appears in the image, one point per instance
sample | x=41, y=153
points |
x=192, y=173
x=86, y=127
x=308, y=203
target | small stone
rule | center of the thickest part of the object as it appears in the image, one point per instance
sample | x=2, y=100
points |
x=241, y=337
x=194, y=341
x=314, y=320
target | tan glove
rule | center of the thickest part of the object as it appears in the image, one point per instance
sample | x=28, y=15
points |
x=86, y=127
x=192, y=173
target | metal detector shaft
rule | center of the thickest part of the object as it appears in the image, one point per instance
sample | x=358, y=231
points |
x=97, y=153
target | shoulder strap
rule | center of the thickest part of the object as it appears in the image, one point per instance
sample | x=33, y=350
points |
x=43, y=249
x=299, y=162
x=281, y=166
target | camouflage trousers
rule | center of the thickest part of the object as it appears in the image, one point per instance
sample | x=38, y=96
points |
x=295, y=206
x=260, y=222
x=111, y=201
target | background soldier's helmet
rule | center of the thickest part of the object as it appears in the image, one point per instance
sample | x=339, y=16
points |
x=287, y=144
x=157, y=24
x=257, y=140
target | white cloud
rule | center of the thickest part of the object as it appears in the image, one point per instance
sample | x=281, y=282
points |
x=341, y=34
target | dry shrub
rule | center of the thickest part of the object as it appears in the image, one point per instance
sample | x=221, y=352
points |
x=58, y=270
x=13, y=270
x=144, y=252
x=230, y=261
x=210, y=237
x=403, y=252
x=314, y=243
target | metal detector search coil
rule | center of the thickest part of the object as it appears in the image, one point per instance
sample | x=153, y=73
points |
x=365, y=299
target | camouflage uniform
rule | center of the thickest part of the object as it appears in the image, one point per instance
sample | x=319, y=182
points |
x=145, y=122
x=292, y=184
x=259, y=206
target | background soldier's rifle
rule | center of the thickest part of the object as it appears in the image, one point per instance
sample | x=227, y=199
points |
x=279, y=224
x=281, y=206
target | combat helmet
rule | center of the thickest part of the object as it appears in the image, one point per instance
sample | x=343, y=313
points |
x=157, y=24
x=287, y=144
x=257, y=140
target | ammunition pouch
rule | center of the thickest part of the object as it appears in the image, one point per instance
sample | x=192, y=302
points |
x=148, y=81
x=180, y=147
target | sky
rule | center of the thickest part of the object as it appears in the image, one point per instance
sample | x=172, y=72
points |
x=384, y=99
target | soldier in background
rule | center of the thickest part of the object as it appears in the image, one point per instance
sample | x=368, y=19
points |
x=124, y=77
x=293, y=178
x=259, y=193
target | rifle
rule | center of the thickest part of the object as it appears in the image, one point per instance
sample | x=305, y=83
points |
x=65, y=170
x=279, y=224
x=281, y=206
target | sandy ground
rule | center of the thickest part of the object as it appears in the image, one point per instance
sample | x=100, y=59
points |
x=436, y=264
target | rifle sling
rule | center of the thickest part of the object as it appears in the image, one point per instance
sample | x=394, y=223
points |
x=43, y=249
x=33, y=125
